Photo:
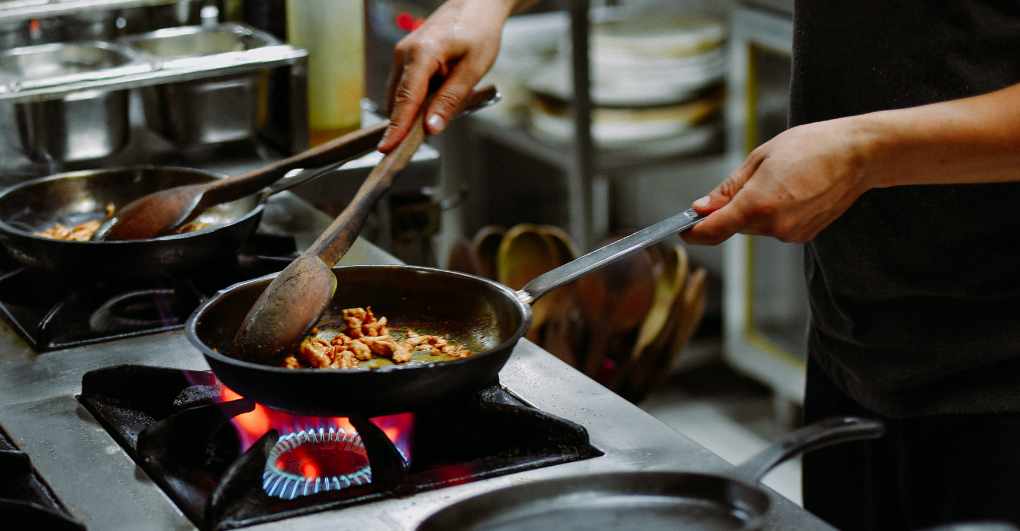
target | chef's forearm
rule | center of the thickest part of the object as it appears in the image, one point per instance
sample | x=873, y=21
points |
x=970, y=140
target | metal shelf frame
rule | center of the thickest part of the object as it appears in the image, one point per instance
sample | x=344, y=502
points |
x=14, y=10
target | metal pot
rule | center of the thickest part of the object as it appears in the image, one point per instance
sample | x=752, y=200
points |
x=81, y=126
x=207, y=111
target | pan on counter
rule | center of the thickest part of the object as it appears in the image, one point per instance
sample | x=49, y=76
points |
x=487, y=317
x=75, y=197
x=646, y=500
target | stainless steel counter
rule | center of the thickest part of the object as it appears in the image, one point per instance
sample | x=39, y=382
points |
x=103, y=487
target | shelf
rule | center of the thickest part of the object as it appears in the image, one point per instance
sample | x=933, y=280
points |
x=561, y=154
x=13, y=10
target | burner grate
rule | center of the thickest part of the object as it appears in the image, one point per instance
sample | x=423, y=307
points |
x=177, y=427
x=24, y=497
x=52, y=313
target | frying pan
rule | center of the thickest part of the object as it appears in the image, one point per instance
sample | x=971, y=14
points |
x=489, y=318
x=76, y=197
x=646, y=500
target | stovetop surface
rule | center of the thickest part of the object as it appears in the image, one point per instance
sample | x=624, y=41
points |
x=103, y=487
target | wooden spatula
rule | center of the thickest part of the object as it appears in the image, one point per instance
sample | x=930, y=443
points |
x=165, y=211
x=297, y=297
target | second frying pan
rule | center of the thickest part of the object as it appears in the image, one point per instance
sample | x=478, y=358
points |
x=653, y=501
x=76, y=197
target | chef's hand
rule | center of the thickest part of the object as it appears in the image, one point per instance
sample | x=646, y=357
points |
x=457, y=43
x=790, y=187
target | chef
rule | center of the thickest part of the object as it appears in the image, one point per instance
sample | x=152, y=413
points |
x=900, y=174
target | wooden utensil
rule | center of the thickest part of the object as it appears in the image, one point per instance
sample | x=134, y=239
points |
x=662, y=356
x=462, y=258
x=294, y=300
x=669, y=287
x=524, y=254
x=486, y=244
x=297, y=297
x=614, y=300
x=168, y=210
x=558, y=308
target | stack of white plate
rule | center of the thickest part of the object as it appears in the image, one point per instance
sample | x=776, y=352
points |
x=654, y=79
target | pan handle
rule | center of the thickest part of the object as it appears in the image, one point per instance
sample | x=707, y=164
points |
x=602, y=256
x=812, y=437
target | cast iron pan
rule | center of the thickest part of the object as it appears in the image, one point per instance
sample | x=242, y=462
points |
x=651, y=501
x=76, y=197
x=487, y=317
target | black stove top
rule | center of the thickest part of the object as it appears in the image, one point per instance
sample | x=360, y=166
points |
x=53, y=312
x=228, y=462
x=25, y=497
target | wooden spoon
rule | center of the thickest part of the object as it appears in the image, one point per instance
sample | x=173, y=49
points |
x=486, y=245
x=294, y=301
x=167, y=210
x=669, y=287
x=614, y=301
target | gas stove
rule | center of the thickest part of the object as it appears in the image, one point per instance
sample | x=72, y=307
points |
x=133, y=432
x=228, y=462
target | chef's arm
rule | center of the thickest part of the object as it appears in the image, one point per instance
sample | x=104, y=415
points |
x=970, y=140
x=457, y=44
x=796, y=184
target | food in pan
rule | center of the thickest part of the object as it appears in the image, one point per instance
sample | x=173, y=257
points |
x=83, y=232
x=367, y=341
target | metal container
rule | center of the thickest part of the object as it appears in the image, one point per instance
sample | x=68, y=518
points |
x=82, y=125
x=13, y=34
x=89, y=25
x=204, y=111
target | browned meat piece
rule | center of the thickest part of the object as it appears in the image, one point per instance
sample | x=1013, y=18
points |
x=360, y=350
x=345, y=360
x=315, y=352
x=455, y=351
x=356, y=313
x=367, y=336
x=192, y=227
x=376, y=328
x=110, y=209
x=388, y=348
x=353, y=325
x=81, y=232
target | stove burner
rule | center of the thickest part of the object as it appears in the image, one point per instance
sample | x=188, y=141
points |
x=54, y=312
x=188, y=437
x=315, y=460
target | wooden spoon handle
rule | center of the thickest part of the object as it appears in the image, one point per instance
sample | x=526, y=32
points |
x=345, y=147
x=334, y=242
x=342, y=148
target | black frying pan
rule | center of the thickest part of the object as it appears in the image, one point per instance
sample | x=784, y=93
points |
x=650, y=501
x=487, y=317
x=75, y=197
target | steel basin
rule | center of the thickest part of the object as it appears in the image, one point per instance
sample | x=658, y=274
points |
x=81, y=126
x=207, y=111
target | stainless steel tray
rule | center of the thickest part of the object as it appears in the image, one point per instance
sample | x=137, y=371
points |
x=12, y=10
x=155, y=69
x=87, y=125
x=207, y=111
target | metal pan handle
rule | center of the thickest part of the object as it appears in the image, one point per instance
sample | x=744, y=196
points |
x=602, y=256
x=818, y=435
